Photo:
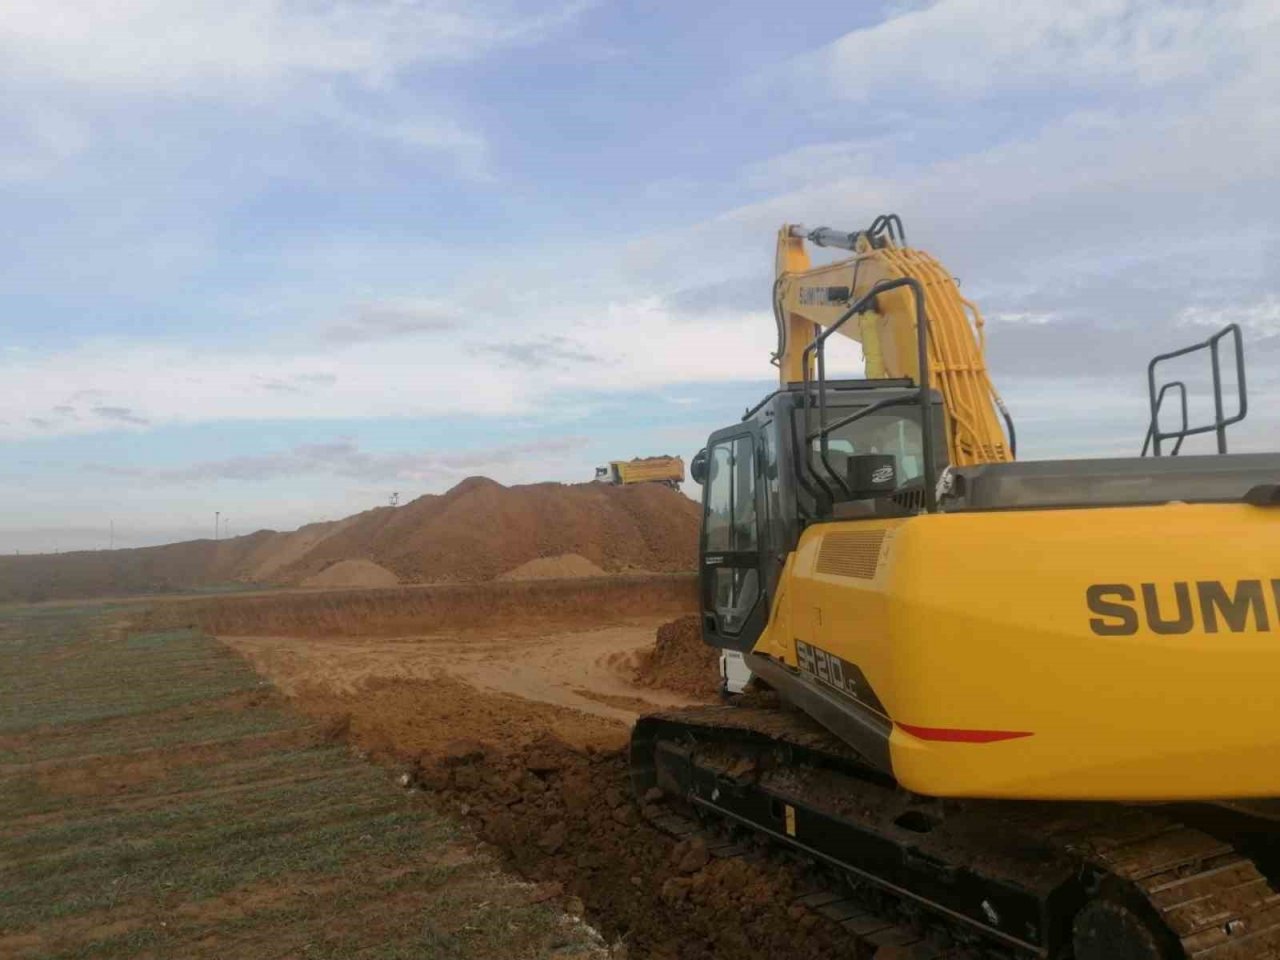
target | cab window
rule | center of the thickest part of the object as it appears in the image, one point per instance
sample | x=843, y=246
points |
x=731, y=527
x=730, y=522
x=895, y=431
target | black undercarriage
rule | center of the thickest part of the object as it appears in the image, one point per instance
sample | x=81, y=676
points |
x=990, y=878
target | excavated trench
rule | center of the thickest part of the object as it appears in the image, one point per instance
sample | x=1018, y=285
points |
x=551, y=793
x=544, y=783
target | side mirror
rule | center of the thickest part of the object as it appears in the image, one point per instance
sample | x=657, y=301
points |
x=872, y=475
x=698, y=467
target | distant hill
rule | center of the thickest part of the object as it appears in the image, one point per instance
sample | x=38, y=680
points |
x=479, y=530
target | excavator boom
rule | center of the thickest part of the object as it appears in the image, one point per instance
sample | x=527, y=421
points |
x=808, y=298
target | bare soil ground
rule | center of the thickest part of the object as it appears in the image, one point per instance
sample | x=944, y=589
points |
x=519, y=727
x=587, y=670
x=159, y=799
x=162, y=799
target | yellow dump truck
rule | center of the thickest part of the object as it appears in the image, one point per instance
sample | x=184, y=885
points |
x=668, y=470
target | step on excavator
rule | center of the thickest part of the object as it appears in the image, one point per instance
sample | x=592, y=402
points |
x=1010, y=709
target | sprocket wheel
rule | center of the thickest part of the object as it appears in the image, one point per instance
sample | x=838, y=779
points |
x=1106, y=929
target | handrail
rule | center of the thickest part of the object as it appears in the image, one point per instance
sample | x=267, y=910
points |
x=1182, y=390
x=1220, y=422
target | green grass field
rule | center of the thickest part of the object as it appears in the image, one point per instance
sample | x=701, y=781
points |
x=157, y=799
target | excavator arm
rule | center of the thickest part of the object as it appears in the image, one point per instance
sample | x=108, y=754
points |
x=808, y=299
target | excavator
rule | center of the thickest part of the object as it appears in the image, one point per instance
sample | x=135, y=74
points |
x=1007, y=708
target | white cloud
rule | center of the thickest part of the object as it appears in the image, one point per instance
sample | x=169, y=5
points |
x=73, y=69
x=1115, y=214
x=1260, y=318
x=209, y=48
x=815, y=163
x=38, y=138
x=345, y=458
x=963, y=49
x=1021, y=318
x=1159, y=182
x=410, y=129
x=548, y=355
x=395, y=318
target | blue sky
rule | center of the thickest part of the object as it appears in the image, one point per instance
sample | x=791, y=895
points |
x=280, y=258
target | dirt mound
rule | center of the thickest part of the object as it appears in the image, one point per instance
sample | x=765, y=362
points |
x=680, y=661
x=554, y=568
x=481, y=529
x=476, y=531
x=146, y=570
x=353, y=573
x=280, y=550
x=549, y=789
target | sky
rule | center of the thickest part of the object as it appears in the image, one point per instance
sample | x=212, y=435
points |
x=280, y=259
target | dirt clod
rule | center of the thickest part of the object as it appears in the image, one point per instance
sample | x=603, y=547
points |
x=547, y=891
x=690, y=855
x=457, y=753
x=554, y=838
x=680, y=660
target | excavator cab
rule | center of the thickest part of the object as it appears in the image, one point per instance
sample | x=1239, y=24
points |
x=784, y=466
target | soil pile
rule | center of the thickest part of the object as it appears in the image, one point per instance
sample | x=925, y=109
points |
x=549, y=789
x=554, y=568
x=479, y=530
x=353, y=573
x=146, y=570
x=680, y=660
x=279, y=550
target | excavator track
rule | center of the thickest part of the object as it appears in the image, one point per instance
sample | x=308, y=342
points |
x=991, y=879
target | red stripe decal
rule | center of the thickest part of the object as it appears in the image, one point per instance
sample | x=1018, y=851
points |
x=947, y=735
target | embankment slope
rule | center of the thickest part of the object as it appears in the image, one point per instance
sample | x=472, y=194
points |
x=477, y=531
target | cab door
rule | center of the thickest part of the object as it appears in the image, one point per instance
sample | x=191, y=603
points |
x=735, y=607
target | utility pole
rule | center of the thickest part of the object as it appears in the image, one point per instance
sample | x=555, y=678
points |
x=217, y=520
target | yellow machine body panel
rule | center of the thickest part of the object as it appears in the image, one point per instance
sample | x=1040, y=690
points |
x=1120, y=653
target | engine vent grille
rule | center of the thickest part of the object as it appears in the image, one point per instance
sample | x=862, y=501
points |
x=852, y=554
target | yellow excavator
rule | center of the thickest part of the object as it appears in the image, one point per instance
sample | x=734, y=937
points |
x=1014, y=709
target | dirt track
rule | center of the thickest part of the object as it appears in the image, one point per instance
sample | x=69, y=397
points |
x=522, y=732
